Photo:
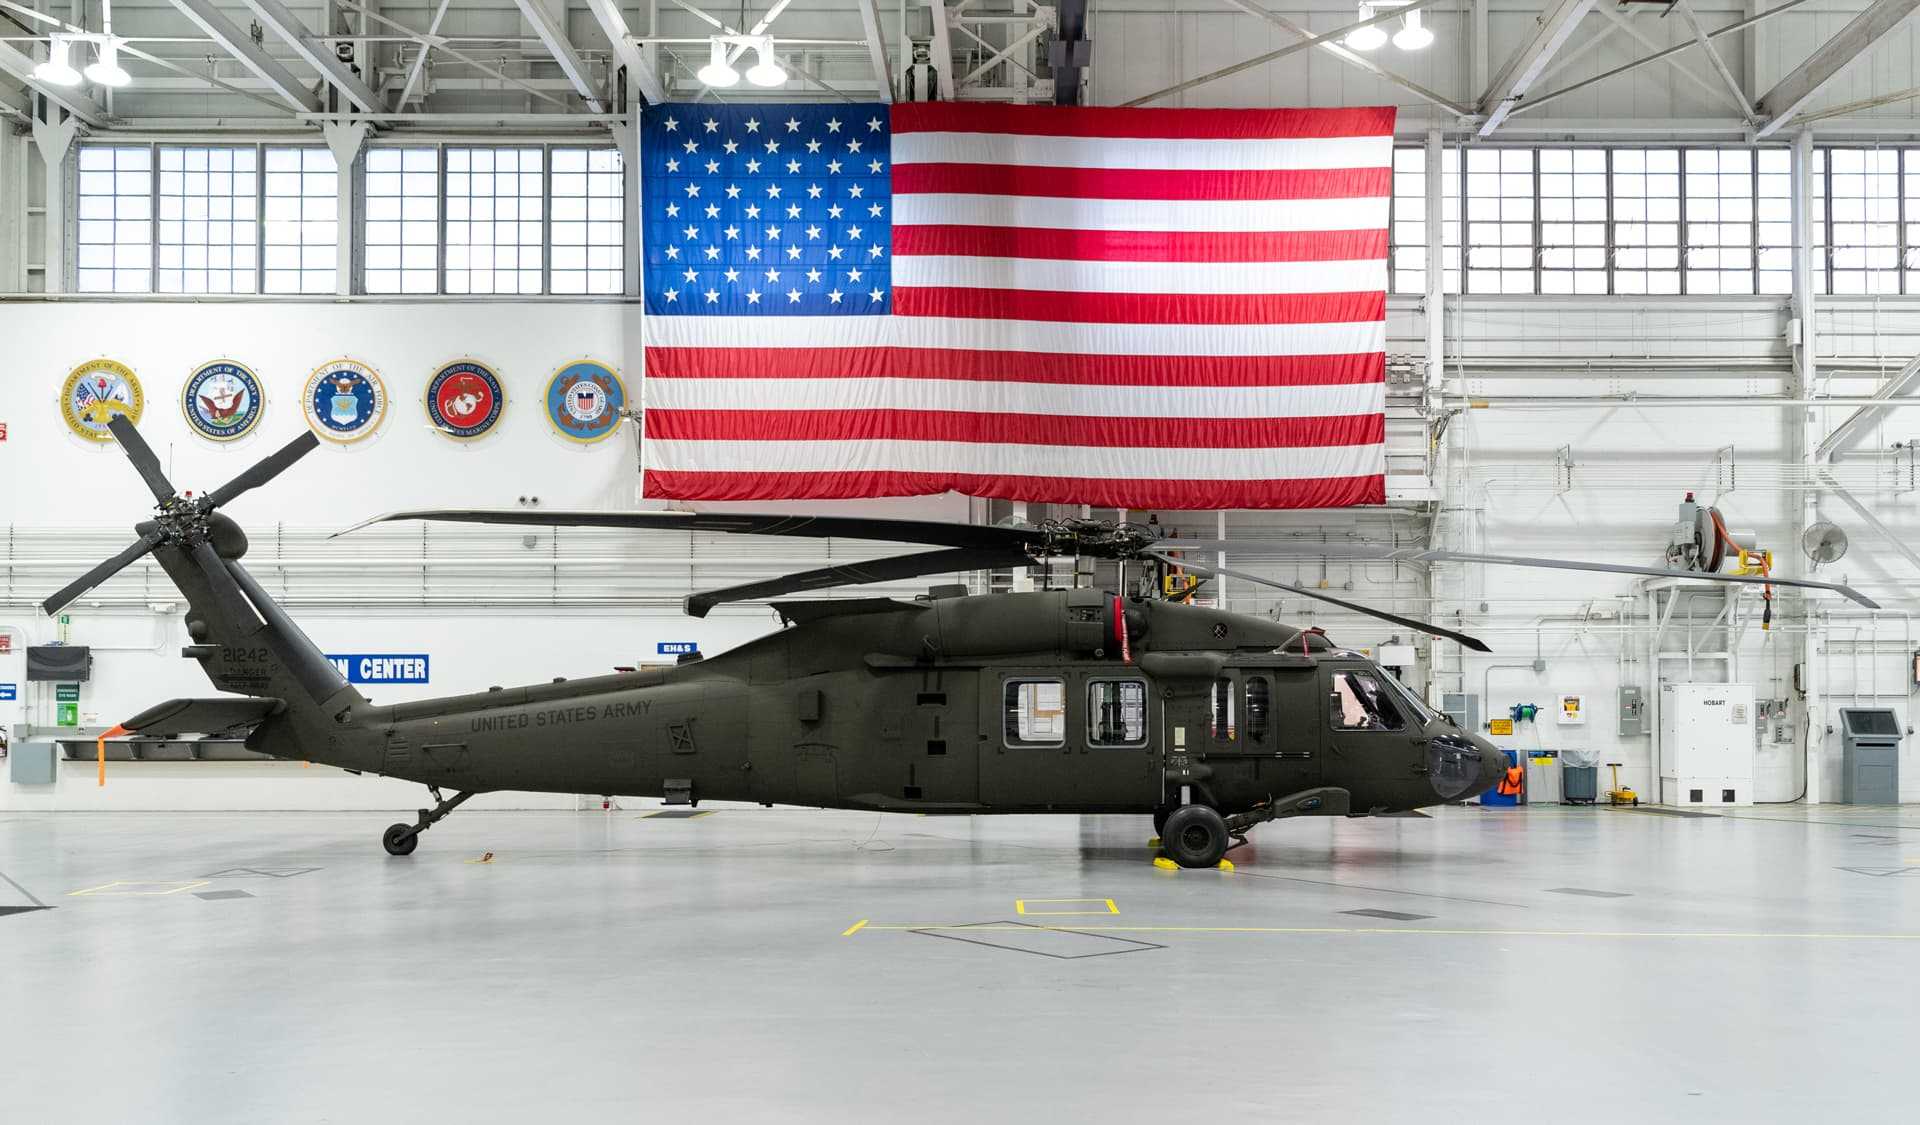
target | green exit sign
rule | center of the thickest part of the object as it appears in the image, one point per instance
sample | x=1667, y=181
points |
x=66, y=693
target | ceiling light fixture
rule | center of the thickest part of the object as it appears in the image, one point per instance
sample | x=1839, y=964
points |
x=57, y=70
x=1412, y=36
x=1367, y=38
x=766, y=72
x=105, y=69
x=718, y=73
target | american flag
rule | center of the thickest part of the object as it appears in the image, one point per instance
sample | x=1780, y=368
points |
x=1132, y=308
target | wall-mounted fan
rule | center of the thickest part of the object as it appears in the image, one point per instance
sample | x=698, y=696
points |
x=1824, y=542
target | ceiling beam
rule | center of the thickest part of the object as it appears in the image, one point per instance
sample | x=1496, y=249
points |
x=1848, y=433
x=1352, y=58
x=614, y=26
x=1619, y=20
x=560, y=47
x=1557, y=25
x=315, y=54
x=419, y=66
x=1727, y=79
x=876, y=48
x=249, y=54
x=1791, y=94
x=20, y=64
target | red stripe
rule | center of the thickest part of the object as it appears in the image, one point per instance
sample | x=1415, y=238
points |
x=1141, y=245
x=1101, y=492
x=1012, y=366
x=1143, y=183
x=1016, y=429
x=1170, y=124
x=1141, y=308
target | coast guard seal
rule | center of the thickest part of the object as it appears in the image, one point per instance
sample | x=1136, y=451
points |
x=345, y=401
x=222, y=400
x=465, y=400
x=97, y=390
x=584, y=400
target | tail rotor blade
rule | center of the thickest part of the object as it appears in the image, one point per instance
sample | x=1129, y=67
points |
x=142, y=456
x=1427, y=627
x=264, y=470
x=225, y=590
x=100, y=573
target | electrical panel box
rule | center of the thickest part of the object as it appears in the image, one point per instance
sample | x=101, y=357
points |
x=31, y=763
x=1632, y=706
x=1706, y=744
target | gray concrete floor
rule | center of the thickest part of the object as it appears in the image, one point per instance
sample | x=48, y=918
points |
x=1565, y=965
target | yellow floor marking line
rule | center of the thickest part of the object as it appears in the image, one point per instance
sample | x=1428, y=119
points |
x=854, y=929
x=988, y=927
x=1106, y=906
x=107, y=889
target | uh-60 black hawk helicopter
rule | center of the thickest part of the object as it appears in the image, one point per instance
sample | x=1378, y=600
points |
x=1056, y=701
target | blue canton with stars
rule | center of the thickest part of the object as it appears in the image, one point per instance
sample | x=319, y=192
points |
x=766, y=209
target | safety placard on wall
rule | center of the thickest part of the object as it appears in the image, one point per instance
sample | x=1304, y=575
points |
x=382, y=668
x=1500, y=726
x=676, y=648
x=9, y=692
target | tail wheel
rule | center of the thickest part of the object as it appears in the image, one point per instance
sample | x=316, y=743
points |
x=1194, y=836
x=400, y=839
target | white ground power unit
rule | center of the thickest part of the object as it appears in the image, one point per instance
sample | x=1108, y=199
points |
x=1706, y=744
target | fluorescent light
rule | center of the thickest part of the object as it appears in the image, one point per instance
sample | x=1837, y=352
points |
x=57, y=71
x=717, y=73
x=1366, y=38
x=1412, y=36
x=106, y=69
x=766, y=72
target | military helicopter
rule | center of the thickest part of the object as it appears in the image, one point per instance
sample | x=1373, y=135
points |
x=1053, y=701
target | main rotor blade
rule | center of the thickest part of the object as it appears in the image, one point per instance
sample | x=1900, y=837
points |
x=1656, y=571
x=100, y=573
x=1473, y=643
x=265, y=469
x=931, y=532
x=225, y=590
x=890, y=569
x=142, y=456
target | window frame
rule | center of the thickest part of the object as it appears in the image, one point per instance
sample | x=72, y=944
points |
x=1007, y=736
x=1146, y=713
x=1385, y=692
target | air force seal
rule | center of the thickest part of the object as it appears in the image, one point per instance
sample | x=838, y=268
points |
x=345, y=401
x=222, y=400
x=465, y=400
x=96, y=391
x=584, y=401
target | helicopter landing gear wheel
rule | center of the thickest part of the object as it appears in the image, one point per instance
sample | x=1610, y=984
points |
x=400, y=839
x=1194, y=836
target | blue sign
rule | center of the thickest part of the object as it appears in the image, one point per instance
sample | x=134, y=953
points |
x=675, y=648
x=382, y=668
x=9, y=692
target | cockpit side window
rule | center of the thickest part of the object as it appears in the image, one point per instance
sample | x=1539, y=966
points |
x=1259, y=709
x=1361, y=702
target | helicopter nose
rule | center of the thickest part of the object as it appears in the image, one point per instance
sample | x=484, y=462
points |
x=1493, y=764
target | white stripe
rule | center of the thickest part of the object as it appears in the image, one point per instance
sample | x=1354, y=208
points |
x=970, y=334
x=1365, y=213
x=1021, y=460
x=1059, y=275
x=979, y=397
x=1138, y=152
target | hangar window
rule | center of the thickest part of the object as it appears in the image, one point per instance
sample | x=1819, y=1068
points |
x=299, y=247
x=1773, y=218
x=209, y=219
x=1361, y=702
x=589, y=233
x=1719, y=213
x=1500, y=220
x=1573, y=220
x=1036, y=712
x=1259, y=709
x=114, y=219
x=1646, y=220
x=1117, y=713
x=1863, y=196
x=495, y=210
x=1409, y=228
x=402, y=227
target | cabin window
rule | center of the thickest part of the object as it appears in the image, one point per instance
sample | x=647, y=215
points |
x=1361, y=702
x=1259, y=708
x=1221, y=718
x=1117, y=713
x=1036, y=712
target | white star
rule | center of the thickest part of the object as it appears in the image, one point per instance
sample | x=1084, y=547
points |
x=853, y=146
x=753, y=125
x=793, y=251
x=853, y=233
x=693, y=233
x=873, y=251
x=713, y=210
x=853, y=275
x=834, y=252
x=691, y=147
x=690, y=275
x=731, y=147
x=793, y=167
x=732, y=233
x=833, y=212
x=873, y=125
x=753, y=296
x=793, y=124
x=874, y=296
x=793, y=296
x=813, y=191
x=753, y=253
x=693, y=190
x=833, y=167
x=673, y=165
x=673, y=253
x=856, y=191
x=733, y=275
x=874, y=167
x=753, y=210
x=712, y=167
x=712, y=125
x=773, y=234
x=672, y=125
x=773, y=191
x=713, y=296
x=813, y=232
x=813, y=277
x=773, y=275
x=673, y=210
x=712, y=253
x=773, y=146
x=835, y=296
x=813, y=146
x=793, y=210
x=873, y=210
x=672, y=294
x=753, y=166
x=833, y=125
x=733, y=191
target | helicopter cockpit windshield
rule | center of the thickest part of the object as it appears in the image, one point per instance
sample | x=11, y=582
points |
x=1421, y=711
